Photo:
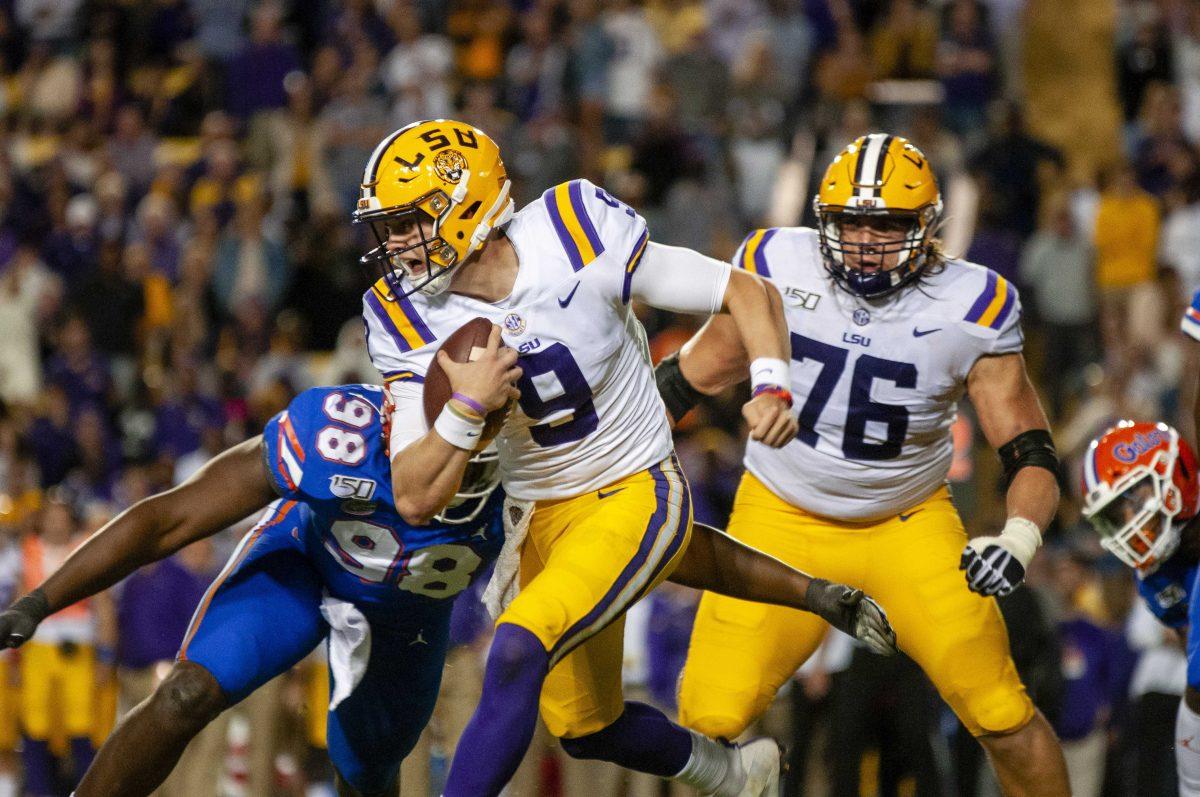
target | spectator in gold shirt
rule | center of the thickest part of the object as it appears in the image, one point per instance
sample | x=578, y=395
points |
x=1126, y=240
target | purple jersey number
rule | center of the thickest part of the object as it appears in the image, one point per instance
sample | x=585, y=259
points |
x=576, y=396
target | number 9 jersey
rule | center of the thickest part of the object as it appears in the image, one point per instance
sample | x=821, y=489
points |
x=877, y=381
x=589, y=412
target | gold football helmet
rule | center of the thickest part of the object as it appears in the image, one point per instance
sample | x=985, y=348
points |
x=445, y=170
x=884, y=177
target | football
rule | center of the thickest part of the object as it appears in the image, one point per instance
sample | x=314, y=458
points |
x=462, y=346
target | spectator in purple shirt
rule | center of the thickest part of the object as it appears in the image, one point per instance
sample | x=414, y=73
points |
x=50, y=437
x=254, y=81
x=78, y=368
x=72, y=250
x=180, y=418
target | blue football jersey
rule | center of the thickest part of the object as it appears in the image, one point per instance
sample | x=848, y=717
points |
x=326, y=452
x=1168, y=591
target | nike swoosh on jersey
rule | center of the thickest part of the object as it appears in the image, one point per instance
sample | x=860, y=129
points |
x=570, y=296
x=920, y=333
x=601, y=494
x=903, y=517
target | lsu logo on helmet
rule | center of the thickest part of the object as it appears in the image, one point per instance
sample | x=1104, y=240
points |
x=1140, y=484
x=886, y=178
x=442, y=171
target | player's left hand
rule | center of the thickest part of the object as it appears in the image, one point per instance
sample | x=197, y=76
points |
x=850, y=611
x=991, y=568
x=770, y=419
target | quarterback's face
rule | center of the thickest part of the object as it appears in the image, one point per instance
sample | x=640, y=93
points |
x=405, y=236
x=872, y=244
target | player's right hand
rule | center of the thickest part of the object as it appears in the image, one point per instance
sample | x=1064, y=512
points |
x=770, y=420
x=19, y=621
x=850, y=610
x=489, y=378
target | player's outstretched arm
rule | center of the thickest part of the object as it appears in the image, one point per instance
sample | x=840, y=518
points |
x=681, y=280
x=1013, y=422
x=716, y=562
x=232, y=486
x=427, y=472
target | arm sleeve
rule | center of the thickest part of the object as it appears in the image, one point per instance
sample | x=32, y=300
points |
x=680, y=280
x=408, y=414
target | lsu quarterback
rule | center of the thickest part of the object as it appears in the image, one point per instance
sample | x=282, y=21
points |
x=1142, y=495
x=331, y=559
x=598, y=508
x=886, y=333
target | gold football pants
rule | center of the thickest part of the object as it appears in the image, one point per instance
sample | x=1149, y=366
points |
x=741, y=653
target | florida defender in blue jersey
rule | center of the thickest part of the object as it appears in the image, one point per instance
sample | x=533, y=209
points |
x=330, y=558
x=1143, y=496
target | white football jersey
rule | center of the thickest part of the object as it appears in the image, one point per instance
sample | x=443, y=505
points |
x=589, y=412
x=876, y=383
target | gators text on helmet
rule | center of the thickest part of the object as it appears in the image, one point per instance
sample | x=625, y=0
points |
x=446, y=171
x=887, y=178
x=1140, y=488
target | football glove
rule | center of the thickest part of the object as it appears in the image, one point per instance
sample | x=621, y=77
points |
x=850, y=610
x=19, y=621
x=996, y=565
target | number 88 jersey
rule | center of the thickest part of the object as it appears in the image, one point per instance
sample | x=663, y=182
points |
x=326, y=452
x=876, y=382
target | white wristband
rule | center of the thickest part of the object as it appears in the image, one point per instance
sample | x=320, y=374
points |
x=769, y=371
x=1022, y=537
x=457, y=429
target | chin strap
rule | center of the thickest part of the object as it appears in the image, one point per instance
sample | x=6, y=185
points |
x=499, y=213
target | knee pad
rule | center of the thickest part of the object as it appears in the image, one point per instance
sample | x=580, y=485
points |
x=717, y=726
x=190, y=694
x=719, y=714
x=516, y=651
x=997, y=710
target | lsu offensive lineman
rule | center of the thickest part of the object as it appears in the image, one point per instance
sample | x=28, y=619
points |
x=886, y=334
x=585, y=456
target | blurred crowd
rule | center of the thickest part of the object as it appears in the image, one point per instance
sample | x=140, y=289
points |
x=176, y=262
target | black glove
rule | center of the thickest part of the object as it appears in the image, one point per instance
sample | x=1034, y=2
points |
x=19, y=621
x=850, y=610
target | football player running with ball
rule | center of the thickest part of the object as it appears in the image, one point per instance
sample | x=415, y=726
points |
x=886, y=334
x=599, y=512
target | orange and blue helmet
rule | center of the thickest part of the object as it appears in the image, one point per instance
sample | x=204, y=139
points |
x=885, y=178
x=1140, y=488
x=447, y=171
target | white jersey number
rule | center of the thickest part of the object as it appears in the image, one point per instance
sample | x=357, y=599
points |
x=439, y=571
x=374, y=554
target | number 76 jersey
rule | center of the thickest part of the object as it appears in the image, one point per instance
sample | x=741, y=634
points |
x=877, y=382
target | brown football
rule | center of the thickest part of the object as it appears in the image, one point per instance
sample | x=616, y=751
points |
x=466, y=340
